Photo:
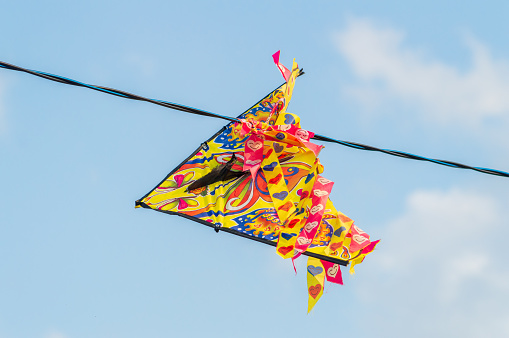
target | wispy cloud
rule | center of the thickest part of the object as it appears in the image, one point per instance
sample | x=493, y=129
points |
x=442, y=267
x=386, y=69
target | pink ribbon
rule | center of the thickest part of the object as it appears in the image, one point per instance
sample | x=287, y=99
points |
x=319, y=196
x=360, y=239
x=286, y=73
x=332, y=272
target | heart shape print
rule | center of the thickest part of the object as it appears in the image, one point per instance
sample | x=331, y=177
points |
x=335, y=246
x=293, y=222
x=315, y=270
x=310, y=226
x=281, y=195
x=302, y=134
x=254, y=145
x=289, y=119
x=320, y=193
x=270, y=167
x=359, y=239
x=316, y=208
x=285, y=249
x=314, y=291
x=333, y=270
x=286, y=206
x=339, y=231
x=303, y=240
x=276, y=179
x=323, y=180
x=278, y=148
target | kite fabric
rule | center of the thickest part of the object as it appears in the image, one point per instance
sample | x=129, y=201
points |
x=260, y=178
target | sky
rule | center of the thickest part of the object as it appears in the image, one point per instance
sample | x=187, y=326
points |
x=78, y=260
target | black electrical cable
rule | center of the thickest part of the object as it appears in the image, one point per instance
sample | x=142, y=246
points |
x=412, y=156
x=192, y=110
x=116, y=92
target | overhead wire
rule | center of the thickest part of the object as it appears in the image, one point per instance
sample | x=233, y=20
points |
x=201, y=112
x=117, y=92
x=411, y=156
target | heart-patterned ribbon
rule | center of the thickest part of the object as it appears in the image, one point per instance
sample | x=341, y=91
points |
x=360, y=239
x=316, y=280
x=332, y=272
x=319, y=196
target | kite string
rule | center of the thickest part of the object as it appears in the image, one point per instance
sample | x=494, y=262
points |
x=201, y=112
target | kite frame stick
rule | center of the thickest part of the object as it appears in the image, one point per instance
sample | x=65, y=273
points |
x=196, y=111
x=241, y=234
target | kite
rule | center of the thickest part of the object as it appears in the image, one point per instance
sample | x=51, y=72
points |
x=260, y=178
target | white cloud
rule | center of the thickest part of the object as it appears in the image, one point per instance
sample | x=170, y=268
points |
x=441, y=268
x=388, y=70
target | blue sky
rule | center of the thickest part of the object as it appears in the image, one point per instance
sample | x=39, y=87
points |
x=78, y=260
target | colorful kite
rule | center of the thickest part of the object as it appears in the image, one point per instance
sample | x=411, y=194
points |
x=261, y=178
